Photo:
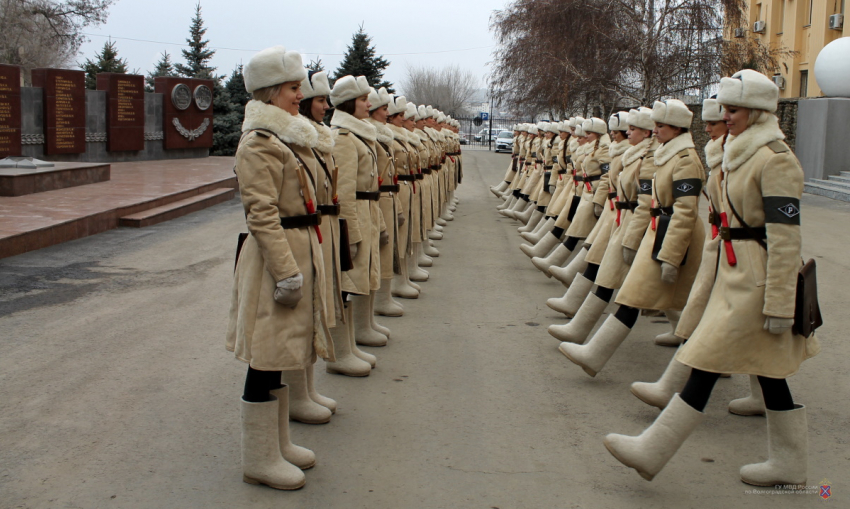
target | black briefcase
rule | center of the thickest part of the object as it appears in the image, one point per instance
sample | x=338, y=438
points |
x=807, y=315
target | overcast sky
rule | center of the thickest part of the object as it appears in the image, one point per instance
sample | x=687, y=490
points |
x=405, y=32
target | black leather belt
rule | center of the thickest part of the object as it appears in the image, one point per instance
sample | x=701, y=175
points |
x=419, y=176
x=743, y=234
x=435, y=167
x=528, y=163
x=578, y=178
x=362, y=195
x=612, y=196
x=406, y=178
x=538, y=161
x=426, y=171
x=623, y=205
x=561, y=172
x=292, y=222
x=593, y=178
x=549, y=167
x=329, y=210
x=388, y=189
x=661, y=211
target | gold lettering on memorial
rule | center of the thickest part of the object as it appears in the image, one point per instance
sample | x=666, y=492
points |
x=124, y=101
x=64, y=108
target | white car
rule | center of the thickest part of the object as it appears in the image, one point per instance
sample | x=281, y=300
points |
x=505, y=141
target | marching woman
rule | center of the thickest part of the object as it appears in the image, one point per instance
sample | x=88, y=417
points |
x=520, y=202
x=748, y=325
x=403, y=159
x=658, y=394
x=511, y=194
x=595, y=163
x=535, y=178
x=666, y=263
x=556, y=186
x=564, y=182
x=634, y=186
x=378, y=113
x=355, y=152
x=549, y=241
x=597, y=242
x=277, y=313
x=541, y=195
x=425, y=150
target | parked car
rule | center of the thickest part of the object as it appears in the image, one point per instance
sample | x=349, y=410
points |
x=463, y=138
x=505, y=141
x=481, y=137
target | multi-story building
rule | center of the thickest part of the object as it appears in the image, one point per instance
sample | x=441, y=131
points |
x=804, y=26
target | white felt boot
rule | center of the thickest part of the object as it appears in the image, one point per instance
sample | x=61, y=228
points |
x=508, y=204
x=447, y=214
x=555, y=259
x=579, y=327
x=422, y=259
x=375, y=325
x=533, y=222
x=385, y=305
x=429, y=249
x=440, y=222
x=299, y=456
x=651, y=450
x=364, y=356
x=593, y=356
x=518, y=208
x=659, y=394
x=438, y=228
x=499, y=189
x=567, y=274
x=347, y=362
x=513, y=204
x=525, y=216
x=364, y=334
x=787, y=449
x=314, y=394
x=752, y=404
x=435, y=235
x=401, y=286
x=670, y=338
x=545, y=228
x=414, y=264
x=573, y=298
x=302, y=408
x=262, y=462
x=542, y=248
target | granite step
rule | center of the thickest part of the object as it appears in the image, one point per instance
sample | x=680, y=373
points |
x=829, y=189
x=177, y=209
x=839, y=180
x=845, y=173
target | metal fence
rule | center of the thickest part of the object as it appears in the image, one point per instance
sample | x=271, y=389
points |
x=473, y=130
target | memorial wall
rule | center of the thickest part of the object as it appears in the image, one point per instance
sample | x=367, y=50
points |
x=57, y=119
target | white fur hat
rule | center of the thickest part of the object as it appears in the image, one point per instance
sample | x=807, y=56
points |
x=564, y=126
x=378, y=98
x=349, y=87
x=595, y=125
x=576, y=122
x=552, y=127
x=397, y=105
x=541, y=126
x=641, y=118
x=749, y=89
x=429, y=112
x=273, y=66
x=411, y=112
x=316, y=85
x=441, y=117
x=532, y=129
x=672, y=112
x=421, y=112
x=580, y=131
x=712, y=111
x=619, y=121
x=571, y=122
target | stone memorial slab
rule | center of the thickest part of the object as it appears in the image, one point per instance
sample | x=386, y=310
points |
x=10, y=110
x=64, y=109
x=187, y=115
x=125, y=111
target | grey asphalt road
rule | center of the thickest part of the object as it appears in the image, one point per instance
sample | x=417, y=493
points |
x=116, y=390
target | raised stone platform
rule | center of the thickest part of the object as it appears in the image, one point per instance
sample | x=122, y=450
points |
x=22, y=181
x=836, y=187
x=44, y=219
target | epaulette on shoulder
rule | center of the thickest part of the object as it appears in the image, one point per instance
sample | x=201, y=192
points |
x=342, y=130
x=263, y=133
x=684, y=153
x=778, y=147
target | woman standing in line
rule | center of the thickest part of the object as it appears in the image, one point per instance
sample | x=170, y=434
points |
x=277, y=313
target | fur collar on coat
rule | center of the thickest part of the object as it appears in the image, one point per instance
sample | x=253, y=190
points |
x=413, y=139
x=714, y=153
x=295, y=130
x=399, y=133
x=359, y=127
x=739, y=149
x=635, y=152
x=422, y=136
x=618, y=149
x=666, y=151
x=384, y=135
x=325, y=143
x=573, y=146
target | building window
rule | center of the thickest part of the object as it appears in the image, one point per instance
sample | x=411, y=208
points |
x=804, y=83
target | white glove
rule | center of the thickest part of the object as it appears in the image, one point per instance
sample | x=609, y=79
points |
x=776, y=325
x=288, y=291
x=385, y=238
x=628, y=255
x=353, y=249
x=401, y=219
x=669, y=273
x=597, y=209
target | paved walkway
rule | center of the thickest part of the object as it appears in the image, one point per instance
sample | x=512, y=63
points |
x=116, y=390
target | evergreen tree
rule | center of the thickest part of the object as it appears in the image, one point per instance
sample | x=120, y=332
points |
x=198, y=55
x=105, y=61
x=316, y=65
x=228, y=113
x=361, y=60
x=162, y=68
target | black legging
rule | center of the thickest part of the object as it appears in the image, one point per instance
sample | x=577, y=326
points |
x=604, y=293
x=557, y=232
x=571, y=243
x=627, y=315
x=777, y=395
x=591, y=271
x=258, y=384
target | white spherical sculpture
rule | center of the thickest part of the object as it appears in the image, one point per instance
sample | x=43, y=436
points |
x=832, y=68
